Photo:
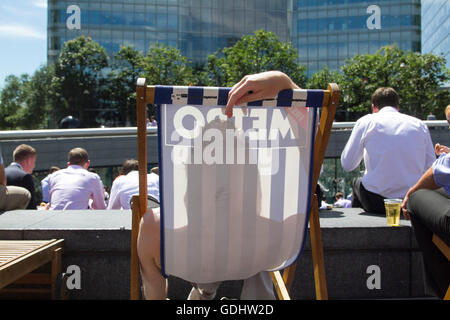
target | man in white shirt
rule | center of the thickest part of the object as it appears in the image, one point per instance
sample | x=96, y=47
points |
x=73, y=187
x=397, y=149
x=125, y=186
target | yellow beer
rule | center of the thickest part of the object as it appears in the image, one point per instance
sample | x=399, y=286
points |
x=393, y=208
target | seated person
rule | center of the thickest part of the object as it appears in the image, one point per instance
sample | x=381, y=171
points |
x=381, y=139
x=11, y=197
x=44, y=184
x=127, y=185
x=73, y=187
x=438, y=148
x=341, y=202
x=18, y=173
x=427, y=204
x=250, y=88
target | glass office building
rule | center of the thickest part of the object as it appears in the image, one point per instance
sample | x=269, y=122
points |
x=326, y=32
x=196, y=27
x=436, y=28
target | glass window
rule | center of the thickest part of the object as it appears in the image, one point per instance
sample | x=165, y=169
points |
x=261, y=19
x=249, y=21
x=352, y=49
x=342, y=50
x=302, y=25
x=322, y=50
x=302, y=51
x=172, y=21
x=312, y=50
x=161, y=18
x=206, y=19
x=332, y=50
x=239, y=18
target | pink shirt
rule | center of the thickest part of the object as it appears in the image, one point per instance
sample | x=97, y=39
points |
x=73, y=187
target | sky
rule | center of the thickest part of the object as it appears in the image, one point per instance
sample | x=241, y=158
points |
x=23, y=37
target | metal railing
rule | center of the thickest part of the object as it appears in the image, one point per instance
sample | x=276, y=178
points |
x=132, y=131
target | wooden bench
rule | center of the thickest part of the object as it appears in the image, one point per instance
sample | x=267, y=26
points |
x=19, y=258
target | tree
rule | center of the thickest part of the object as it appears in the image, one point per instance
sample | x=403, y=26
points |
x=321, y=79
x=165, y=65
x=25, y=101
x=127, y=66
x=12, y=101
x=256, y=53
x=78, y=77
x=415, y=77
x=38, y=98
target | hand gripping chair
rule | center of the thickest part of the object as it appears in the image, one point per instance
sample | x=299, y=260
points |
x=236, y=194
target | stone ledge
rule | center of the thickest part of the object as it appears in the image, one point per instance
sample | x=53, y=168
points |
x=99, y=242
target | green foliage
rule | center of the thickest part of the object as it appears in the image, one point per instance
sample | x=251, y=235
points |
x=256, y=53
x=322, y=78
x=415, y=77
x=166, y=66
x=127, y=66
x=11, y=101
x=25, y=101
x=78, y=78
x=84, y=80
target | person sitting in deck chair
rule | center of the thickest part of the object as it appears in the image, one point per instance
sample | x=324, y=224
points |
x=250, y=88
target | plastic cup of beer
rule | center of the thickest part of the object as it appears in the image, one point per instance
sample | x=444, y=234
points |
x=393, y=208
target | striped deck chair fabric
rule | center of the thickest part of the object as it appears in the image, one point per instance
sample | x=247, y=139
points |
x=234, y=192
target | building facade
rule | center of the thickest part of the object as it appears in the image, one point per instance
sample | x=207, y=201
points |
x=436, y=28
x=196, y=27
x=326, y=32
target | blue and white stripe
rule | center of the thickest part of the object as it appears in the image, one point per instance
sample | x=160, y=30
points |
x=218, y=96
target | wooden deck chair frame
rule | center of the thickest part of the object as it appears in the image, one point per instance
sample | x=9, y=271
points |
x=145, y=94
x=445, y=249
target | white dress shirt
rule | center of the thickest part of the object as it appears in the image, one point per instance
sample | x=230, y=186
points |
x=397, y=149
x=73, y=187
x=124, y=187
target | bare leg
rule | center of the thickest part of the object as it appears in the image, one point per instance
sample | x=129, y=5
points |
x=148, y=247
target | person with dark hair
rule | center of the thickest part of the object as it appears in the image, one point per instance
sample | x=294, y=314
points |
x=341, y=202
x=396, y=148
x=127, y=184
x=75, y=186
x=11, y=197
x=128, y=166
x=18, y=173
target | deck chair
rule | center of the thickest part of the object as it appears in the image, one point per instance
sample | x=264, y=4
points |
x=445, y=249
x=236, y=195
x=18, y=260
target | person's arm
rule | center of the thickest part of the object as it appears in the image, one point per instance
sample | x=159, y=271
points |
x=257, y=87
x=98, y=195
x=425, y=182
x=114, y=198
x=353, y=151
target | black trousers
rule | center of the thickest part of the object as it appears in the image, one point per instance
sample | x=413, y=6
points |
x=363, y=198
x=430, y=213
